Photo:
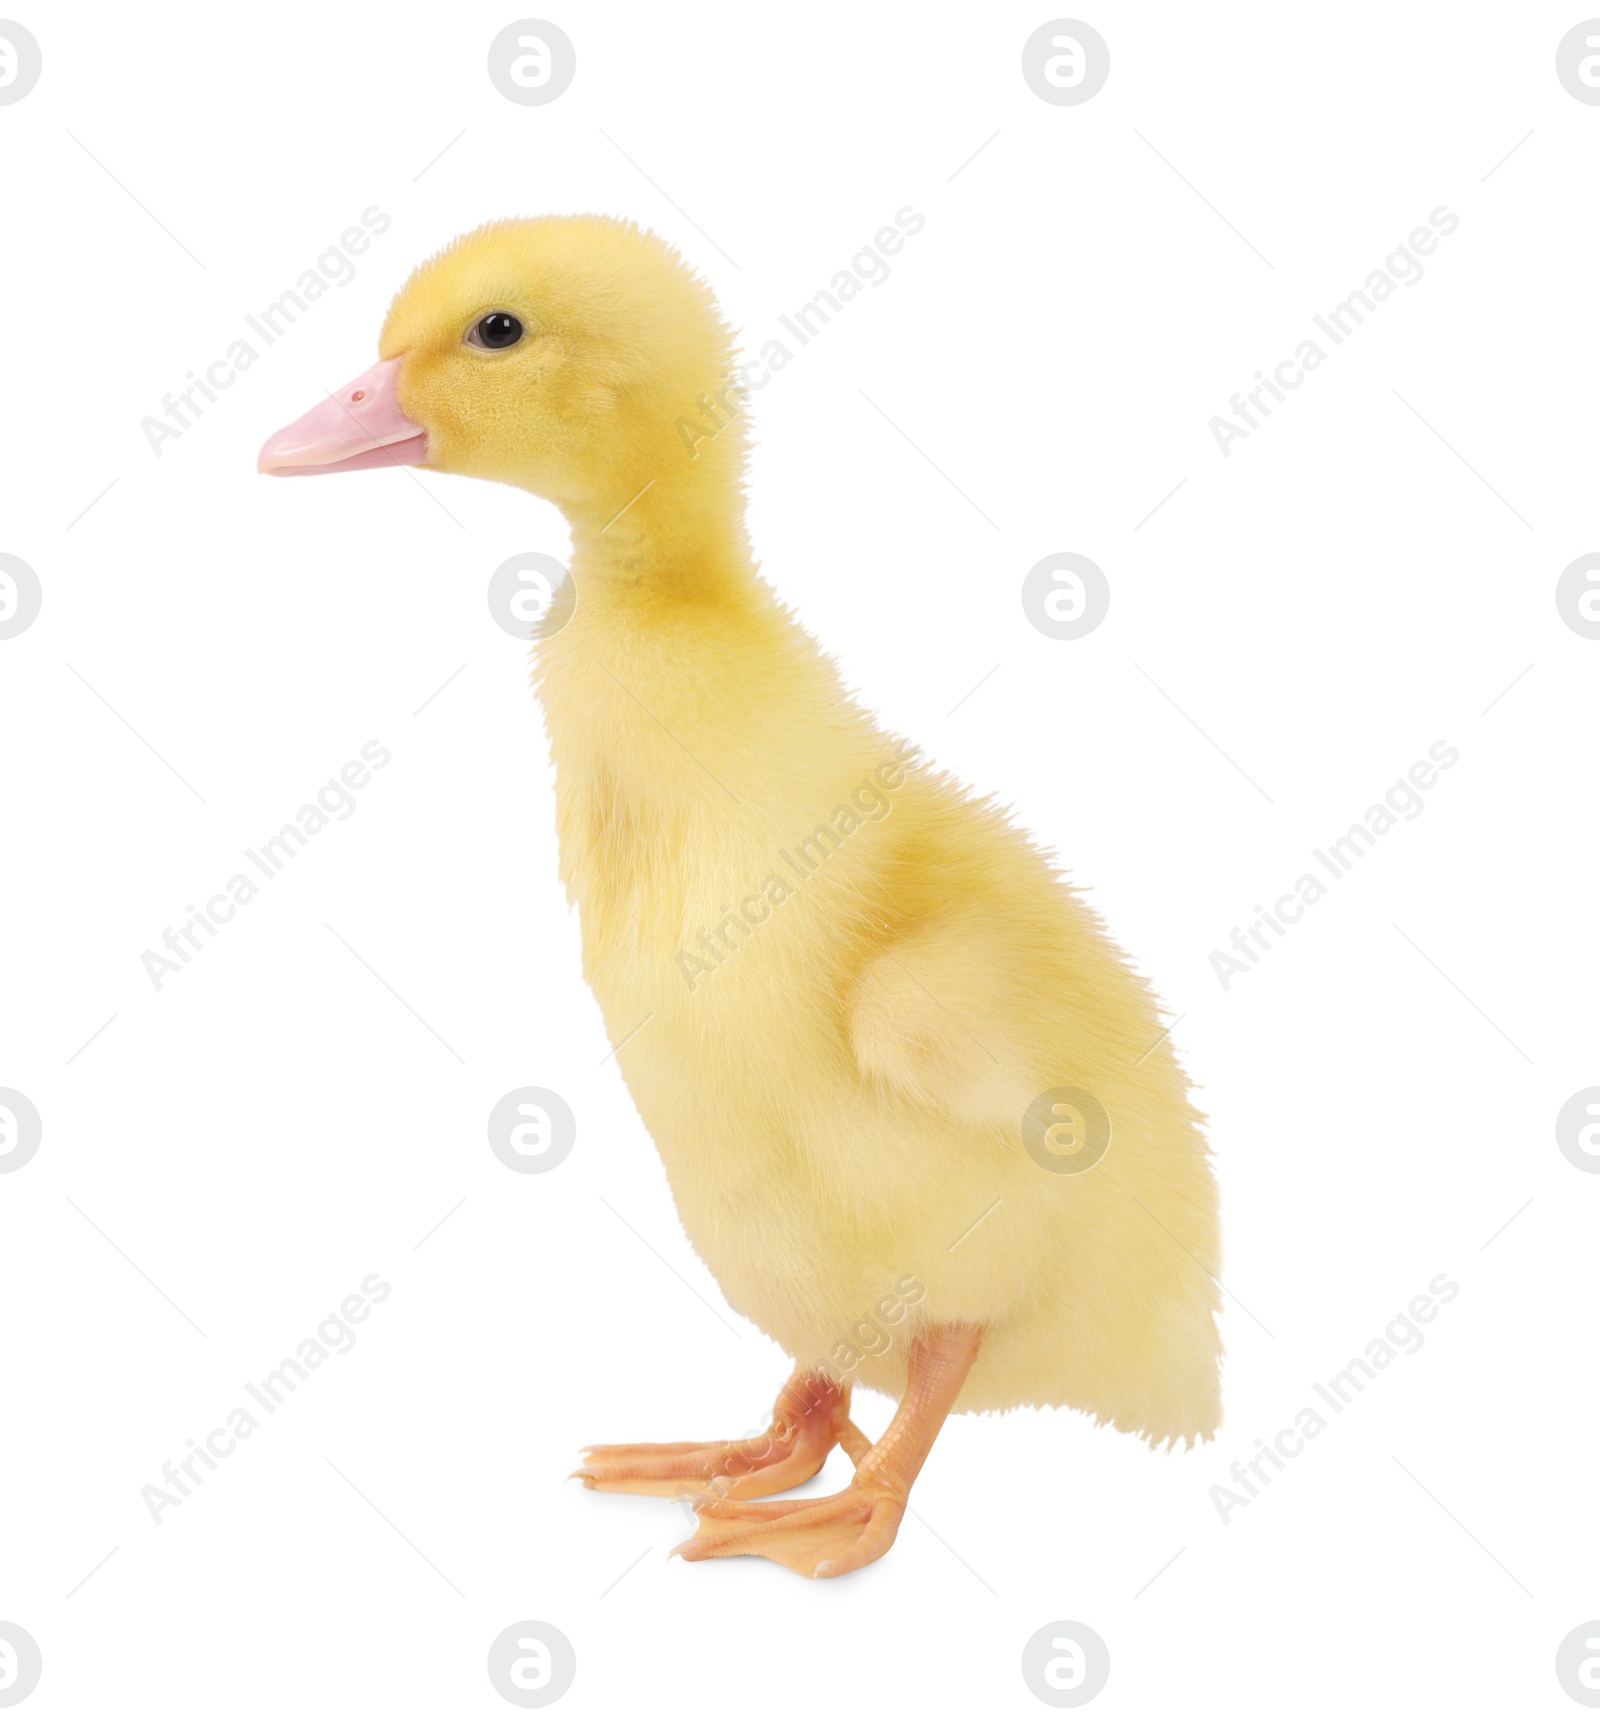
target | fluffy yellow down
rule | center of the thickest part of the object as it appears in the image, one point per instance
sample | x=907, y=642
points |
x=840, y=1040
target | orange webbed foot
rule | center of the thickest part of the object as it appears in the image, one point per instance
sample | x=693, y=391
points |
x=818, y=1539
x=809, y=1420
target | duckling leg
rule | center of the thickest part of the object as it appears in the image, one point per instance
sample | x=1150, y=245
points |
x=837, y=1533
x=810, y=1417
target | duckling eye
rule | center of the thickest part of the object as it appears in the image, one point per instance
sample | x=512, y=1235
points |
x=496, y=330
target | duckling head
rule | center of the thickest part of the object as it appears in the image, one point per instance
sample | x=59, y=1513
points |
x=564, y=355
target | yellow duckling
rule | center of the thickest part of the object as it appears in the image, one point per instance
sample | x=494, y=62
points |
x=918, y=1115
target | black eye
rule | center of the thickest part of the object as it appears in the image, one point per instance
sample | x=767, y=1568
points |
x=496, y=330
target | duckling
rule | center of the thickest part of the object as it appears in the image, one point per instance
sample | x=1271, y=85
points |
x=919, y=1116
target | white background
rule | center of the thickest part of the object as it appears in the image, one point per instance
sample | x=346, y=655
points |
x=1325, y=602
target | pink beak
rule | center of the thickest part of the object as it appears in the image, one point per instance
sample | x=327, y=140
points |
x=360, y=426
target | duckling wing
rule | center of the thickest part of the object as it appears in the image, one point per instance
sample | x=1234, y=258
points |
x=954, y=1017
x=980, y=1010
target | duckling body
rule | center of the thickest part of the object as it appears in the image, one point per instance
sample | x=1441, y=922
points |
x=839, y=1099
x=869, y=1028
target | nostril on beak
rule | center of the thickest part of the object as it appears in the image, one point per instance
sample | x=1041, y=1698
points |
x=358, y=396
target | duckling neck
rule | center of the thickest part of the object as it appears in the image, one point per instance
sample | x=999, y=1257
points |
x=665, y=691
x=667, y=539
